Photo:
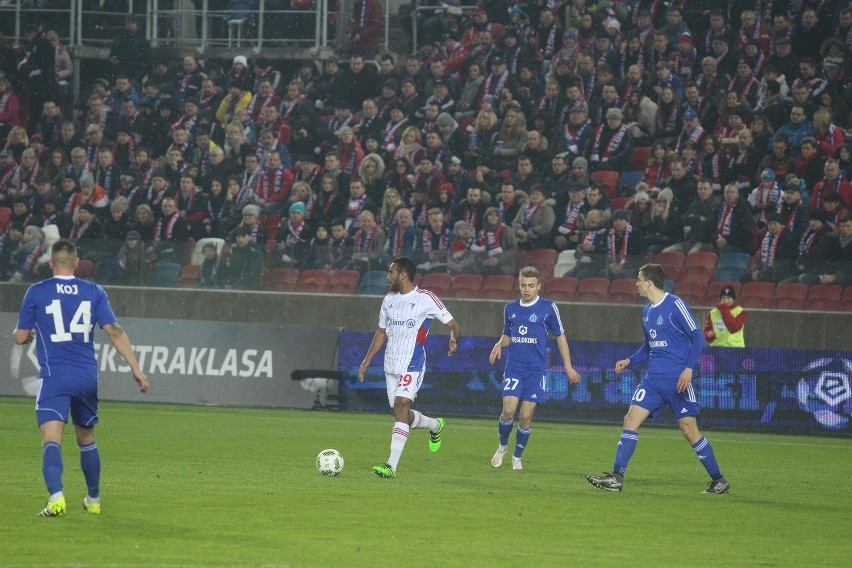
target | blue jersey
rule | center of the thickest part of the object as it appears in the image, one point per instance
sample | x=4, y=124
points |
x=673, y=340
x=64, y=311
x=528, y=328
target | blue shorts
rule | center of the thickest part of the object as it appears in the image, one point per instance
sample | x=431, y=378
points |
x=526, y=386
x=57, y=395
x=653, y=395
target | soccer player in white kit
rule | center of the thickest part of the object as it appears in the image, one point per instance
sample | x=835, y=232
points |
x=406, y=314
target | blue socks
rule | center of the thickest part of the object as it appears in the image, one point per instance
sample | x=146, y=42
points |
x=90, y=463
x=624, y=451
x=504, y=429
x=521, y=439
x=705, y=454
x=51, y=468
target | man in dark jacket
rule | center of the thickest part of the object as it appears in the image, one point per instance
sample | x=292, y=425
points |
x=131, y=53
x=243, y=269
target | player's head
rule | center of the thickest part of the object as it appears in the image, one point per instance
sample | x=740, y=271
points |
x=650, y=275
x=401, y=273
x=63, y=256
x=529, y=282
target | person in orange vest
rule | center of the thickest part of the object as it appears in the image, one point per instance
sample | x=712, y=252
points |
x=725, y=323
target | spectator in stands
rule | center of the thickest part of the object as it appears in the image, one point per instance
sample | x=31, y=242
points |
x=775, y=259
x=734, y=222
x=495, y=246
x=294, y=238
x=725, y=323
x=433, y=243
x=816, y=251
x=368, y=244
x=365, y=28
x=460, y=258
x=171, y=233
x=611, y=144
x=243, y=268
x=472, y=209
x=840, y=271
x=533, y=223
x=833, y=182
x=796, y=130
x=701, y=220
x=401, y=235
x=208, y=276
x=765, y=198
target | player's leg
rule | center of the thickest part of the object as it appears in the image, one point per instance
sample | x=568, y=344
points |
x=90, y=463
x=401, y=412
x=705, y=453
x=522, y=436
x=504, y=426
x=52, y=404
x=400, y=427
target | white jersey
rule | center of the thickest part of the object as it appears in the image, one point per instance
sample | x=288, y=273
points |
x=406, y=319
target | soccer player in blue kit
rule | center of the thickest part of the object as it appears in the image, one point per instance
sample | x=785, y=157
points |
x=61, y=313
x=526, y=325
x=673, y=342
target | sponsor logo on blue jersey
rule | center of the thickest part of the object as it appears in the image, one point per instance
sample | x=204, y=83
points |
x=533, y=318
x=660, y=320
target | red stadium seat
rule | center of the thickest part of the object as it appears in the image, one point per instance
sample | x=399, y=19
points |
x=561, y=289
x=499, y=287
x=824, y=297
x=620, y=202
x=715, y=288
x=189, y=276
x=283, y=280
x=314, y=280
x=608, y=181
x=437, y=282
x=592, y=290
x=5, y=216
x=699, y=266
x=672, y=263
x=790, y=296
x=343, y=282
x=757, y=295
x=846, y=300
x=692, y=292
x=272, y=223
x=543, y=259
x=85, y=270
x=623, y=291
x=466, y=286
x=639, y=158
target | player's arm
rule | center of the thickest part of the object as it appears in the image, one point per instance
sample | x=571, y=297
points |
x=23, y=336
x=732, y=322
x=505, y=339
x=562, y=343
x=455, y=333
x=709, y=333
x=379, y=339
x=121, y=343
x=695, y=337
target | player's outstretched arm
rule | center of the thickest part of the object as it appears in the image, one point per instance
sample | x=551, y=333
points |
x=121, y=343
x=454, y=336
x=497, y=351
x=562, y=343
x=621, y=365
x=379, y=340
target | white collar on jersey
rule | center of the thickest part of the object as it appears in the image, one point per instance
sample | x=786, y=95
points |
x=665, y=295
x=523, y=305
x=63, y=277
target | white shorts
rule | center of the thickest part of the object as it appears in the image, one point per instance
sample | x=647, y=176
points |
x=404, y=385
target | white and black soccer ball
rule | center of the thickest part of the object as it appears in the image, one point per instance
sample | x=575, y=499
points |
x=329, y=462
x=825, y=391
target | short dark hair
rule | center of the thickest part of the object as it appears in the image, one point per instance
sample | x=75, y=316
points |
x=654, y=273
x=406, y=265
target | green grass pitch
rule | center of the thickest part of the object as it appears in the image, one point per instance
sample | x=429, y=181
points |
x=206, y=486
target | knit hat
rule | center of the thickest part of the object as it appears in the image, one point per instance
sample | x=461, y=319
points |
x=251, y=209
x=728, y=291
x=87, y=181
x=775, y=217
x=621, y=214
x=641, y=197
x=134, y=236
x=580, y=161
x=767, y=175
x=666, y=195
x=241, y=59
x=614, y=113
x=444, y=119
x=298, y=206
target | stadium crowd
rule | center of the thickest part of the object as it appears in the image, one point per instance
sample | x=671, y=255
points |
x=606, y=131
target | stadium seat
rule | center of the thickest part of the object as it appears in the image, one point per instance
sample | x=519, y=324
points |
x=757, y=295
x=639, y=158
x=628, y=181
x=693, y=292
x=561, y=289
x=846, y=300
x=790, y=296
x=544, y=259
x=165, y=275
x=592, y=290
x=343, y=282
x=732, y=265
x=620, y=202
x=466, y=286
x=672, y=263
x=699, y=266
x=564, y=262
x=715, y=288
x=623, y=291
x=272, y=223
x=824, y=297
x=283, y=279
x=5, y=216
x=437, y=282
x=374, y=283
x=499, y=287
x=189, y=276
x=608, y=181
x=85, y=270
x=313, y=280
x=198, y=256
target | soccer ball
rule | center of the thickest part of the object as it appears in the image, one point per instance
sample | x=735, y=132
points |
x=329, y=462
